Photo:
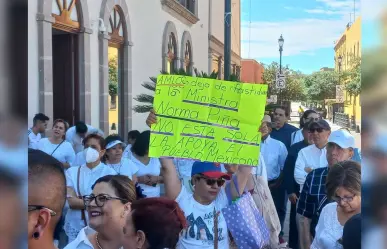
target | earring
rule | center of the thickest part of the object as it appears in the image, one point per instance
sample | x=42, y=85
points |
x=36, y=235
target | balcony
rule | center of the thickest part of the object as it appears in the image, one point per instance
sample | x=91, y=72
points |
x=186, y=9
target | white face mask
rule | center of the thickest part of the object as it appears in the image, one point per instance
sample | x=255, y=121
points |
x=91, y=155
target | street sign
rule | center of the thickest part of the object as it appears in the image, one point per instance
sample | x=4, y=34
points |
x=280, y=81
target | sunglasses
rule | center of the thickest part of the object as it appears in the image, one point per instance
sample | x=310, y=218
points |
x=319, y=130
x=211, y=182
x=338, y=199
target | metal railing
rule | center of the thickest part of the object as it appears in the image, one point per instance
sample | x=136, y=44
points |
x=342, y=120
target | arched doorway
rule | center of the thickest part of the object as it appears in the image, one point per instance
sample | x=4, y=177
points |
x=170, y=49
x=64, y=24
x=116, y=33
x=65, y=58
x=186, y=52
x=115, y=70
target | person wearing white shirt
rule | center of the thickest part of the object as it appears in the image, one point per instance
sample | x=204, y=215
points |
x=35, y=132
x=148, y=175
x=307, y=117
x=77, y=133
x=132, y=136
x=274, y=153
x=108, y=207
x=80, y=181
x=313, y=156
x=115, y=159
x=57, y=146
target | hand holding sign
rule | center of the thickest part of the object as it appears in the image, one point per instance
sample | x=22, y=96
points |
x=207, y=119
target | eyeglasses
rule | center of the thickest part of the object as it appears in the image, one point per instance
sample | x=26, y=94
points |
x=36, y=207
x=313, y=119
x=319, y=130
x=100, y=200
x=211, y=182
x=339, y=199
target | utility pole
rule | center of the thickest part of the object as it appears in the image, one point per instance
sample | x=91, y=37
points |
x=227, y=39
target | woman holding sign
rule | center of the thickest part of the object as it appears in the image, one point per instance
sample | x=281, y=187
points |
x=207, y=227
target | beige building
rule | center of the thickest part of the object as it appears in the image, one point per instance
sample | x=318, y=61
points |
x=216, y=37
x=69, y=42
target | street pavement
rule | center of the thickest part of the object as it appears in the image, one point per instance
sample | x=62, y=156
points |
x=295, y=121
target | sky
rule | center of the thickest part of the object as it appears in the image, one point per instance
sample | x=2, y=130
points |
x=309, y=27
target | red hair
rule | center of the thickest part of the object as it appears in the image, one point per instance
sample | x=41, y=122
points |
x=161, y=219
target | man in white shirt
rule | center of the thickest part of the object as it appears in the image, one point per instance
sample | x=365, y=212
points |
x=313, y=156
x=77, y=133
x=34, y=133
x=274, y=154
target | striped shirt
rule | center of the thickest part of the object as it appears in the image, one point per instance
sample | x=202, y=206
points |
x=313, y=195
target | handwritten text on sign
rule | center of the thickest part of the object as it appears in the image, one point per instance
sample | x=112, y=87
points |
x=208, y=120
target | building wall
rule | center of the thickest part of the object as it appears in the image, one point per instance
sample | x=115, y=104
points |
x=350, y=43
x=147, y=21
x=252, y=71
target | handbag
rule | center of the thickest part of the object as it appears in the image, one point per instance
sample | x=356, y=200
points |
x=245, y=223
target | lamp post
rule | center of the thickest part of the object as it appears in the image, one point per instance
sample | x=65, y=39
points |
x=281, y=45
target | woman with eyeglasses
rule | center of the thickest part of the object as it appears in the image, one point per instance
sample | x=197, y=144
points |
x=307, y=117
x=57, y=146
x=343, y=186
x=80, y=181
x=107, y=208
x=114, y=158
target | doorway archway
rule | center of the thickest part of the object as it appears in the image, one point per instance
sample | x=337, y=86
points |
x=64, y=25
x=116, y=41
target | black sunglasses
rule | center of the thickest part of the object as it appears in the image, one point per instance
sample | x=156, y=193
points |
x=100, y=200
x=211, y=182
x=37, y=207
x=319, y=130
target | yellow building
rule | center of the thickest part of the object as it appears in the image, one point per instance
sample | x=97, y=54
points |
x=346, y=47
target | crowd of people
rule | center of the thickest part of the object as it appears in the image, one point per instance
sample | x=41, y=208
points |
x=87, y=191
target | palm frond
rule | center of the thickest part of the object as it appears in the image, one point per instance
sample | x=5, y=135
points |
x=144, y=98
x=149, y=85
x=142, y=108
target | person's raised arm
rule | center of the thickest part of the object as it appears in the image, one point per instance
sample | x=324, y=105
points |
x=152, y=119
x=171, y=180
x=241, y=178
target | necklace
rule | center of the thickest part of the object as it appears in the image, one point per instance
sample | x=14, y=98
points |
x=98, y=244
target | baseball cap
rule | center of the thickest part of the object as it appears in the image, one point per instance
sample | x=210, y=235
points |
x=342, y=138
x=114, y=143
x=320, y=124
x=211, y=170
x=352, y=233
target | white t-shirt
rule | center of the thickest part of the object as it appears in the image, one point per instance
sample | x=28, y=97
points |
x=34, y=139
x=126, y=167
x=64, y=153
x=76, y=141
x=297, y=136
x=87, y=178
x=80, y=159
x=153, y=168
x=200, y=218
x=127, y=152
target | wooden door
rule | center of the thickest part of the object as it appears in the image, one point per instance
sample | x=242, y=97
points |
x=65, y=77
